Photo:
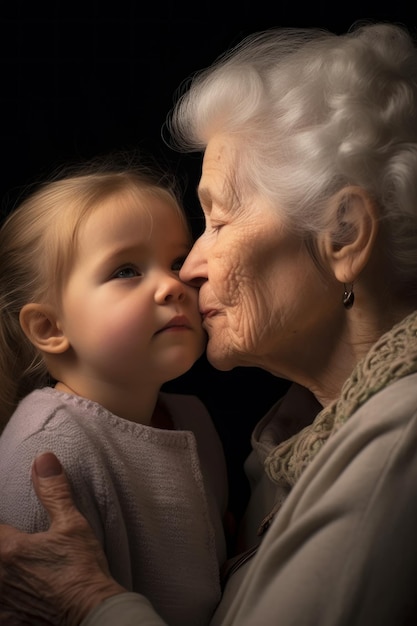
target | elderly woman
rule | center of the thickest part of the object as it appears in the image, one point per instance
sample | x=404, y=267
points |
x=308, y=269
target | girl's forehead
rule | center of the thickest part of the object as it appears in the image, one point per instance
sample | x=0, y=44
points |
x=140, y=199
x=142, y=212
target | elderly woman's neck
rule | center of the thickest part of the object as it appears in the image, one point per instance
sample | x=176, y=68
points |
x=362, y=331
x=332, y=356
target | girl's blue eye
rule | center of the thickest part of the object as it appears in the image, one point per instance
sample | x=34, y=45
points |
x=126, y=272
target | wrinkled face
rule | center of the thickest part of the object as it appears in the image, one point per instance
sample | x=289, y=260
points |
x=125, y=312
x=261, y=294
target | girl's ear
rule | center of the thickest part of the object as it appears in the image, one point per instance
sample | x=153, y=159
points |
x=41, y=327
x=351, y=239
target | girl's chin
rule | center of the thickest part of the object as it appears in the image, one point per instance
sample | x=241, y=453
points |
x=175, y=371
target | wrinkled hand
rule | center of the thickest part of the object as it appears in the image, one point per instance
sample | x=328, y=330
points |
x=55, y=577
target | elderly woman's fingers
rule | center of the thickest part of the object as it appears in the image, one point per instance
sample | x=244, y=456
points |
x=43, y=576
x=53, y=489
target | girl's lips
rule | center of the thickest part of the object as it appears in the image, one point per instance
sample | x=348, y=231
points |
x=179, y=322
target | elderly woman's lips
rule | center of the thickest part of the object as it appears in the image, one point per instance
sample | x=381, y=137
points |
x=208, y=313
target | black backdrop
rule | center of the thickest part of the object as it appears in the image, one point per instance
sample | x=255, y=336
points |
x=81, y=78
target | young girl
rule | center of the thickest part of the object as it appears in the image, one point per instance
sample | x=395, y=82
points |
x=93, y=320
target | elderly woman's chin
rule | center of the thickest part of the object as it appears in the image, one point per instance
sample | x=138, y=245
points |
x=223, y=356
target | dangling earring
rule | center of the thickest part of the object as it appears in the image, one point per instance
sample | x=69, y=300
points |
x=348, y=296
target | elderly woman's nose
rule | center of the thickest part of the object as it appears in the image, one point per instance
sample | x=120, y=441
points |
x=193, y=270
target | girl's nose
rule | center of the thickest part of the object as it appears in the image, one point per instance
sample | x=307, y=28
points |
x=170, y=288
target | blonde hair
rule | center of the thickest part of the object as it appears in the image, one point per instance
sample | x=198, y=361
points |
x=37, y=244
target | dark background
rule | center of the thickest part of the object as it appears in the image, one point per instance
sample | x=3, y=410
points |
x=80, y=79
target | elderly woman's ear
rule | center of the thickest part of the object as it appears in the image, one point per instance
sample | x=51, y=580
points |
x=349, y=242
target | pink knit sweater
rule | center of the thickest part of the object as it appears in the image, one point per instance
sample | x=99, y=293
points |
x=155, y=498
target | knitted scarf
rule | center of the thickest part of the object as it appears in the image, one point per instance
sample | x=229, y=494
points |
x=392, y=357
